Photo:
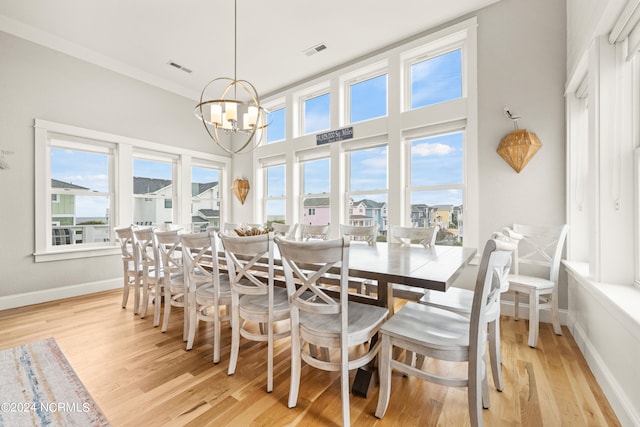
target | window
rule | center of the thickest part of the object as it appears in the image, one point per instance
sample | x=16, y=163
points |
x=317, y=192
x=388, y=100
x=81, y=188
x=276, y=128
x=316, y=114
x=367, y=188
x=437, y=185
x=437, y=79
x=205, y=198
x=368, y=99
x=275, y=194
x=80, y=198
x=152, y=185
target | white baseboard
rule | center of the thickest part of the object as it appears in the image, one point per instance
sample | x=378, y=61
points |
x=36, y=297
x=606, y=380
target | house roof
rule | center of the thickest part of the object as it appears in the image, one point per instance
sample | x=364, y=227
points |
x=316, y=201
x=201, y=187
x=372, y=204
x=149, y=185
x=56, y=183
x=209, y=213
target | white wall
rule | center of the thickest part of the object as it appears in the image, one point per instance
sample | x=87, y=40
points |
x=36, y=82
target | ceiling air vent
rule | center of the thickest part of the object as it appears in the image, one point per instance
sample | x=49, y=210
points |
x=178, y=66
x=315, y=49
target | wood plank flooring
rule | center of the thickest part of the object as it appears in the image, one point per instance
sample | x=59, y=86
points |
x=141, y=376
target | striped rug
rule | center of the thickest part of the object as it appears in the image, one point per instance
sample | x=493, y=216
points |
x=38, y=387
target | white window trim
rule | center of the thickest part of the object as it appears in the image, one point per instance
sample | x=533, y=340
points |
x=348, y=80
x=390, y=129
x=44, y=130
x=266, y=198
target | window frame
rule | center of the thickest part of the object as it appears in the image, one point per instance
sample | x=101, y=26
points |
x=121, y=213
x=303, y=97
x=359, y=76
x=265, y=191
x=279, y=104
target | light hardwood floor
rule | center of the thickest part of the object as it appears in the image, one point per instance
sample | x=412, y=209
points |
x=140, y=376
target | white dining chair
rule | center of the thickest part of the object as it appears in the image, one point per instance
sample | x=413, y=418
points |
x=257, y=305
x=151, y=273
x=535, y=273
x=444, y=335
x=426, y=236
x=367, y=233
x=130, y=266
x=460, y=300
x=313, y=232
x=169, y=246
x=280, y=229
x=207, y=290
x=323, y=320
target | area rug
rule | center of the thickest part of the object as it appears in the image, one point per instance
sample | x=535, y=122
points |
x=38, y=387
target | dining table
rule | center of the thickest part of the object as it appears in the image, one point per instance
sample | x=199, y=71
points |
x=429, y=268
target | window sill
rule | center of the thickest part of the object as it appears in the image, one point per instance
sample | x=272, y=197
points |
x=75, y=253
x=620, y=301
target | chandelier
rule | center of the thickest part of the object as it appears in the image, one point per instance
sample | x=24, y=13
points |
x=240, y=119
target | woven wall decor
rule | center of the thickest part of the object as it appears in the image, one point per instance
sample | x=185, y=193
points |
x=518, y=147
x=240, y=188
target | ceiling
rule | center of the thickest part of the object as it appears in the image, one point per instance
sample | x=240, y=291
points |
x=138, y=38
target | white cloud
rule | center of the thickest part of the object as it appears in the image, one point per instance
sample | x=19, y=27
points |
x=431, y=149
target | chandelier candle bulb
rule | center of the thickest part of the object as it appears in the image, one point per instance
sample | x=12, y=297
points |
x=226, y=122
x=232, y=111
x=216, y=114
x=252, y=116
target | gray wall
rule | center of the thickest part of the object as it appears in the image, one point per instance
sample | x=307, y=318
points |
x=522, y=65
x=36, y=82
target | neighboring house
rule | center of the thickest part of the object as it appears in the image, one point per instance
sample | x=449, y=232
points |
x=368, y=212
x=205, y=205
x=316, y=211
x=63, y=206
x=444, y=216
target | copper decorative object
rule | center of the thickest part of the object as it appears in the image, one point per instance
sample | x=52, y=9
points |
x=518, y=146
x=240, y=188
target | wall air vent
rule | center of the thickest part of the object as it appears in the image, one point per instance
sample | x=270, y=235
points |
x=315, y=49
x=178, y=66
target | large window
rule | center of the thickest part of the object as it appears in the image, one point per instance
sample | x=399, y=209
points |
x=316, y=114
x=152, y=186
x=89, y=182
x=404, y=150
x=316, y=200
x=205, y=198
x=80, y=188
x=436, y=80
x=368, y=99
x=276, y=129
x=275, y=202
x=367, y=195
x=437, y=185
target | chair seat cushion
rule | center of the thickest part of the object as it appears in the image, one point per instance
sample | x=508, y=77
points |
x=260, y=303
x=420, y=323
x=363, y=318
x=519, y=281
